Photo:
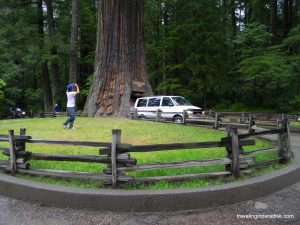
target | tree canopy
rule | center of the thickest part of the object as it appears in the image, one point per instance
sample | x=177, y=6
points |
x=219, y=54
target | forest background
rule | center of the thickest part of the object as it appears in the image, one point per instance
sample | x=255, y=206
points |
x=220, y=54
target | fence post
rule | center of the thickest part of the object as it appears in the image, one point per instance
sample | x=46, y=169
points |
x=116, y=139
x=216, y=120
x=279, y=140
x=135, y=114
x=12, y=151
x=235, y=168
x=184, y=117
x=242, y=120
x=21, y=144
x=251, y=123
x=158, y=115
x=288, y=141
x=228, y=151
x=284, y=151
x=21, y=161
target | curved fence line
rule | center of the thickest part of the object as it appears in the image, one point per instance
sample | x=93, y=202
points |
x=117, y=158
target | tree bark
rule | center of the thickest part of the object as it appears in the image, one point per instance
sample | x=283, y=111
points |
x=46, y=88
x=44, y=67
x=54, y=63
x=290, y=14
x=287, y=16
x=119, y=59
x=204, y=99
x=74, y=43
x=248, y=12
x=296, y=19
x=233, y=18
x=273, y=21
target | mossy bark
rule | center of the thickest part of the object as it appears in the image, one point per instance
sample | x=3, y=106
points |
x=119, y=60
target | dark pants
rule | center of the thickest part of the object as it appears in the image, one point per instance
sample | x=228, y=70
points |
x=71, y=118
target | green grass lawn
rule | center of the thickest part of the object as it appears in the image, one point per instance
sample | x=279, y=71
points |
x=133, y=132
x=295, y=124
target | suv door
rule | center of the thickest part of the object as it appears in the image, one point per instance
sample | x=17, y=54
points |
x=167, y=107
x=141, y=107
x=152, y=106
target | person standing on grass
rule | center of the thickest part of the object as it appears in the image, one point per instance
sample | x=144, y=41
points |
x=72, y=91
x=56, y=108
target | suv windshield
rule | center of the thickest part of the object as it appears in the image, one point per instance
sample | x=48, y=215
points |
x=181, y=101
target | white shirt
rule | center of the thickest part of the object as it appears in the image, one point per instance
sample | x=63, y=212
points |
x=71, y=99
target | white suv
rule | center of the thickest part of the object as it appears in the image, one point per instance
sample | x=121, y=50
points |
x=171, y=107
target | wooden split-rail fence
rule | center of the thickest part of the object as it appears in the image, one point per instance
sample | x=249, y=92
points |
x=216, y=120
x=116, y=155
x=55, y=114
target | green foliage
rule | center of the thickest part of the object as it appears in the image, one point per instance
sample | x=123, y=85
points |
x=186, y=50
x=189, y=50
x=172, y=85
x=292, y=42
x=20, y=53
x=266, y=77
x=259, y=10
x=24, y=50
x=252, y=41
x=294, y=103
x=2, y=85
x=84, y=91
x=34, y=99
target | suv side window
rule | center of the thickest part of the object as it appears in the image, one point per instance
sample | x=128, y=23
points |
x=153, y=102
x=142, y=102
x=167, y=102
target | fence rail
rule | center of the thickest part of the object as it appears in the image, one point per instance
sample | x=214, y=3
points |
x=55, y=114
x=218, y=119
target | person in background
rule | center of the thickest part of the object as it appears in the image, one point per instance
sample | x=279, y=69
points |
x=56, y=108
x=72, y=91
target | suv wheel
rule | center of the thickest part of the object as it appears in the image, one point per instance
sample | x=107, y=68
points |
x=177, y=119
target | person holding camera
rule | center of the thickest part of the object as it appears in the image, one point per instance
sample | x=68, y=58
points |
x=72, y=91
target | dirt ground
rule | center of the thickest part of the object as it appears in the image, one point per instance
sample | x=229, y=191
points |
x=285, y=203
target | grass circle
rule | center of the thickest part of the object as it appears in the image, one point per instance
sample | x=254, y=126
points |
x=134, y=132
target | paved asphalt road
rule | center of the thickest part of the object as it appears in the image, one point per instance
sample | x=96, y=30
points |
x=285, y=205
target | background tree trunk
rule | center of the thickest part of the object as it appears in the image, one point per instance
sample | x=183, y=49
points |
x=119, y=60
x=44, y=68
x=273, y=21
x=248, y=12
x=54, y=63
x=287, y=16
x=233, y=18
x=290, y=14
x=46, y=88
x=74, y=42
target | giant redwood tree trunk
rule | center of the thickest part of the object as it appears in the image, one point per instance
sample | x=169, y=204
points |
x=120, y=73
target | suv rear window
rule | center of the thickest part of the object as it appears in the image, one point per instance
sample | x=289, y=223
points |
x=153, y=102
x=142, y=103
